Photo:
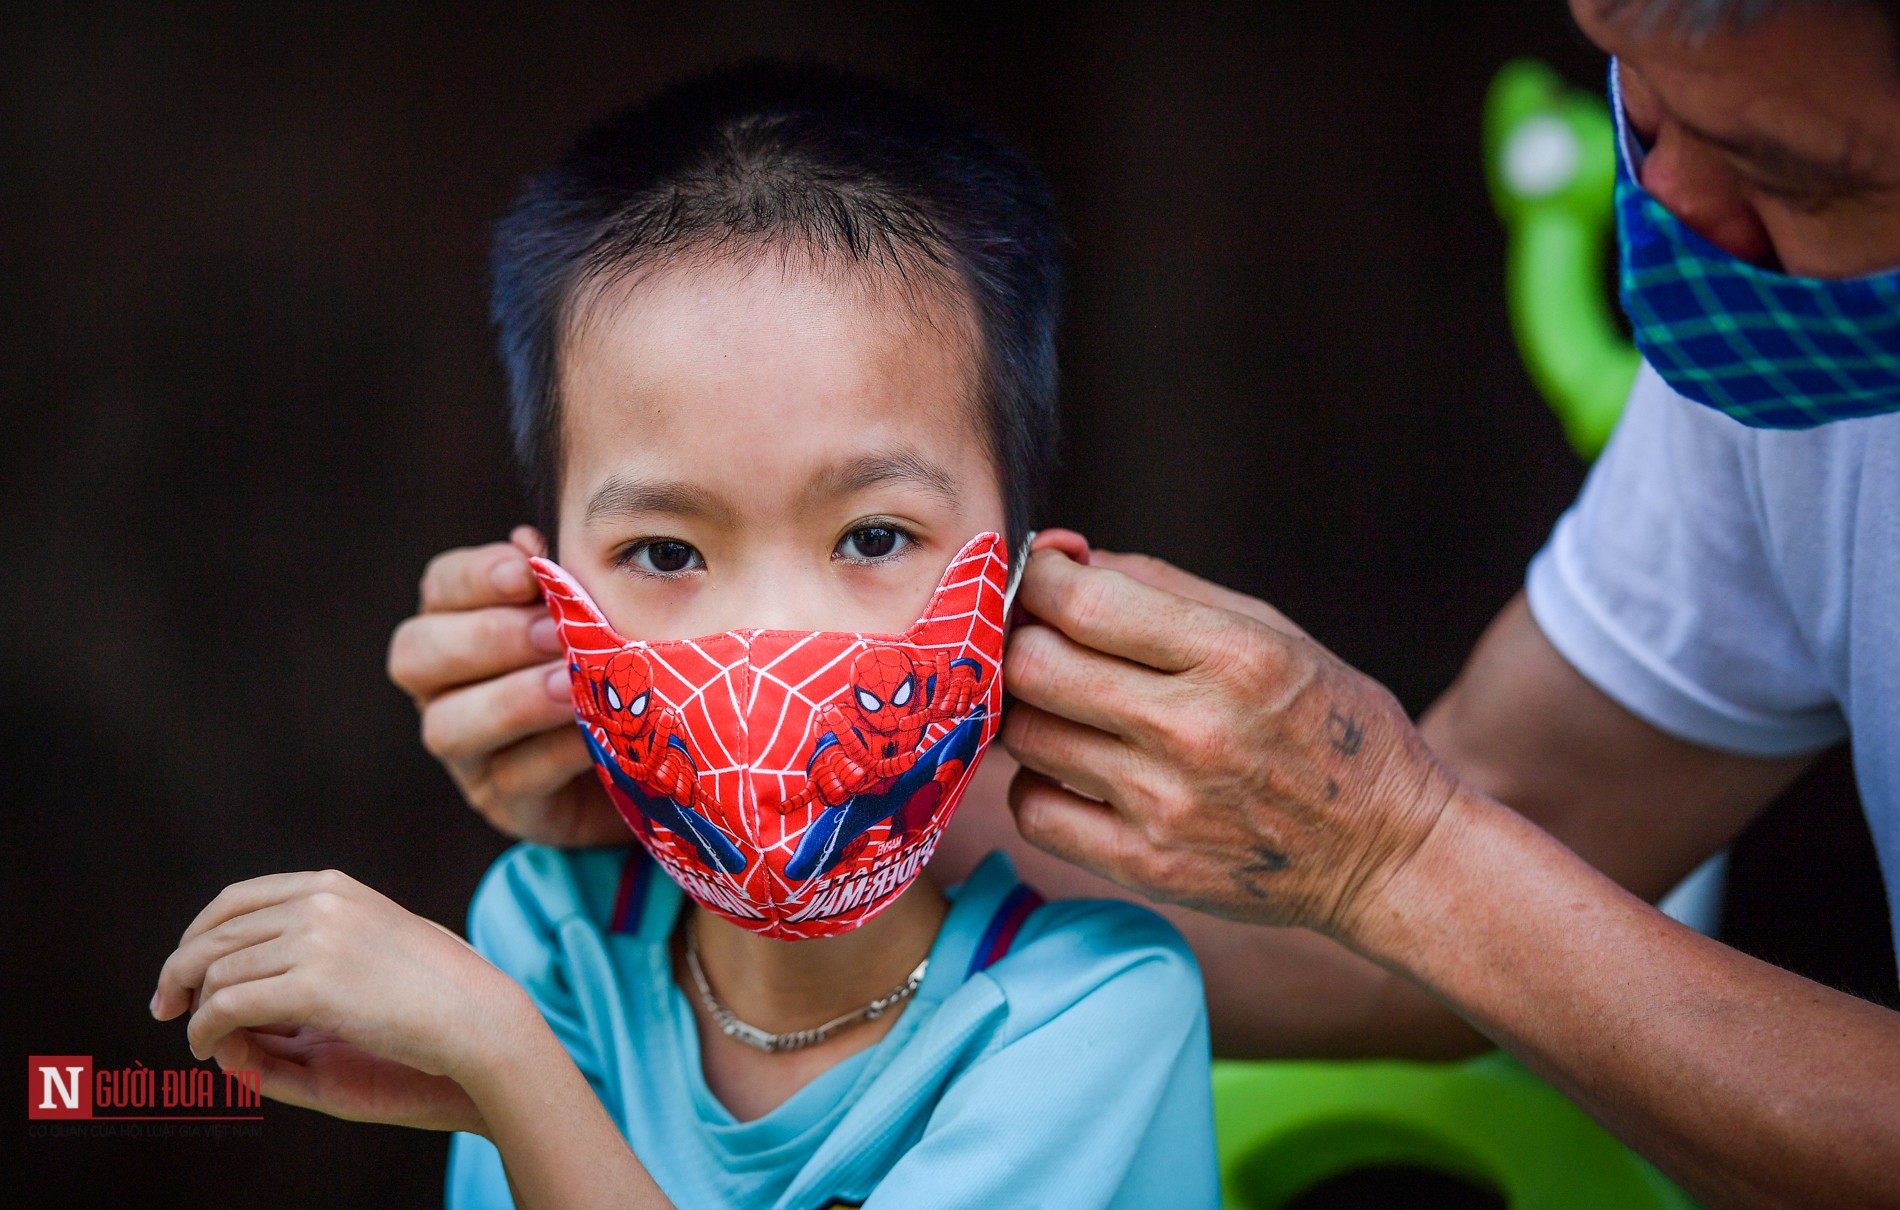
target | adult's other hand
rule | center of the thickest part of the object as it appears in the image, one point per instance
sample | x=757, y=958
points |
x=1191, y=744
x=482, y=661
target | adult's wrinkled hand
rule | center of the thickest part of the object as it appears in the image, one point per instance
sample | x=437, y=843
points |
x=482, y=661
x=1192, y=744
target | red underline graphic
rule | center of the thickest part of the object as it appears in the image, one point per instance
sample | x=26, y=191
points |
x=169, y=1117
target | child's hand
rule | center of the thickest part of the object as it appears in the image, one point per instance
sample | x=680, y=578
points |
x=302, y=1066
x=341, y=999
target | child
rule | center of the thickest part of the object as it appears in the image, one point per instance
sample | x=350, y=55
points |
x=780, y=345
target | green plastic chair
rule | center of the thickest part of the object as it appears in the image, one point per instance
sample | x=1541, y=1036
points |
x=1284, y=1127
x=1550, y=163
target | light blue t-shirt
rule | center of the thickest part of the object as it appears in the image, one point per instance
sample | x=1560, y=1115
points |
x=1740, y=588
x=1070, y=1071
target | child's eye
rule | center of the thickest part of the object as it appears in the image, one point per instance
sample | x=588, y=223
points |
x=870, y=542
x=660, y=557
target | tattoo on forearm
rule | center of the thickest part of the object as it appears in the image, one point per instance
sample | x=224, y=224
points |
x=1345, y=733
x=1267, y=860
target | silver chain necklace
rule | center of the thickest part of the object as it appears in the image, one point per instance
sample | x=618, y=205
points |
x=797, y=1039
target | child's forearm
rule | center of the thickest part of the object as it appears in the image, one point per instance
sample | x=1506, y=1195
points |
x=557, y=1143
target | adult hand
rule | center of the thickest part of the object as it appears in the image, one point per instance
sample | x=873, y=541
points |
x=481, y=659
x=1191, y=744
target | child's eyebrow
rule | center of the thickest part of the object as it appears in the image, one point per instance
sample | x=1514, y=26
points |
x=627, y=496
x=874, y=470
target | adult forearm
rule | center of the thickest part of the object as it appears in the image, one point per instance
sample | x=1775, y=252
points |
x=557, y=1143
x=1523, y=727
x=1748, y=1084
x=1272, y=993
x=1277, y=993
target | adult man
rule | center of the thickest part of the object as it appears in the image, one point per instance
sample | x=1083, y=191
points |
x=1720, y=605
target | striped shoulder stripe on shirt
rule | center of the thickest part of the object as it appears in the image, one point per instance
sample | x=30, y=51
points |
x=1003, y=927
x=630, y=899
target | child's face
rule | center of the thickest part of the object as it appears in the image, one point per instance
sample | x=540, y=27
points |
x=770, y=444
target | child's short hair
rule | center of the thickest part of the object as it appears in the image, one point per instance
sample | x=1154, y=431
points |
x=808, y=158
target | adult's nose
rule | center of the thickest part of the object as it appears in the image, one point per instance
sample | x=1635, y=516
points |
x=1695, y=183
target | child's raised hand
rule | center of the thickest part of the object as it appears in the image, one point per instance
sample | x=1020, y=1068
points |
x=344, y=1001
x=308, y=1067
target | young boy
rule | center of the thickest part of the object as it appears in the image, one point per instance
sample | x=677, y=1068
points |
x=780, y=344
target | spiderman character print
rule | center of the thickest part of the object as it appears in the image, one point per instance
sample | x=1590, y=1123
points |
x=795, y=782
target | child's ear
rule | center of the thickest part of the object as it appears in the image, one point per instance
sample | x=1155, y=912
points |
x=1067, y=541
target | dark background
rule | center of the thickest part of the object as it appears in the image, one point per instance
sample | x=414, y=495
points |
x=248, y=390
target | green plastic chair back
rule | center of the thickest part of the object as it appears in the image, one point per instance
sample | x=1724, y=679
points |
x=1283, y=1127
x=1550, y=163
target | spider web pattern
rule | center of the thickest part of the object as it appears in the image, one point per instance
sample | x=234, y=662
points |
x=749, y=702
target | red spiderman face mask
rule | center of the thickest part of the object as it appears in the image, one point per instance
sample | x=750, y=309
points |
x=795, y=782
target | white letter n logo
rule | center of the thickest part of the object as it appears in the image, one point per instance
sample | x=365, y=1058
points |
x=68, y=1092
x=59, y=1086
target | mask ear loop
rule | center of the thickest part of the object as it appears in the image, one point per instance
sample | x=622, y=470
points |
x=1629, y=152
x=1017, y=563
x=1016, y=566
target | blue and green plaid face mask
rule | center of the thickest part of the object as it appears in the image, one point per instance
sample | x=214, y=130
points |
x=1772, y=351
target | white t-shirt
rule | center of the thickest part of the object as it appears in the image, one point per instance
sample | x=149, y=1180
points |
x=1740, y=588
